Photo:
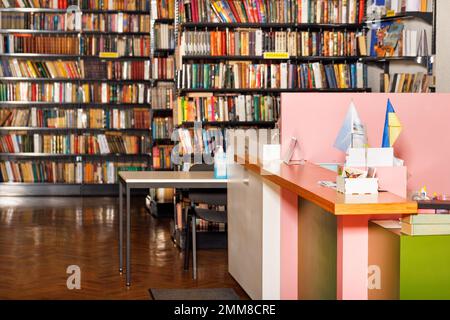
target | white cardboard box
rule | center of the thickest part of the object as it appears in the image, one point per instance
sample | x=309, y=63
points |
x=370, y=157
x=357, y=185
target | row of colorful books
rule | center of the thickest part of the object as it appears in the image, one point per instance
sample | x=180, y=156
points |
x=48, y=4
x=208, y=226
x=163, y=9
x=406, y=82
x=65, y=172
x=255, y=42
x=163, y=96
x=246, y=75
x=164, y=36
x=138, y=46
x=228, y=108
x=38, y=21
x=201, y=225
x=127, y=5
x=74, y=144
x=61, y=92
x=117, y=22
x=114, y=118
x=163, y=68
x=40, y=69
x=83, y=69
x=267, y=11
x=162, y=128
x=162, y=157
x=199, y=140
x=115, y=70
x=400, y=6
x=91, y=45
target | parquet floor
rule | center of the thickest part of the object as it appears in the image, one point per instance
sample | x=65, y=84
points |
x=41, y=237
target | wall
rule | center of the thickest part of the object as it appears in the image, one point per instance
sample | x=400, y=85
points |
x=442, y=46
x=424, y=144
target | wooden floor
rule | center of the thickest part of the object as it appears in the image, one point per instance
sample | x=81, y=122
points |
x=41, y=237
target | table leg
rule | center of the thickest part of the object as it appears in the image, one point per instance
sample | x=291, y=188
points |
x=120, y=228
x=352, y=258
x=128, y=238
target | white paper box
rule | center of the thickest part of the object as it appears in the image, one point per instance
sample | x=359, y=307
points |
x=380, y=157
x=370, y=157
x=356, y=157
x=357, y=185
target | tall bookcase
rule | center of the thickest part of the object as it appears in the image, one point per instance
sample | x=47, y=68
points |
x=163, y=81
x=263, y=34
x=85, y=102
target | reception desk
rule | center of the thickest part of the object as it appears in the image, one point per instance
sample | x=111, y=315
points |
x=324, y=256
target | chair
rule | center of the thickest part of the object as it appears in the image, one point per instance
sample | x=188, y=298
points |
x=210, y=197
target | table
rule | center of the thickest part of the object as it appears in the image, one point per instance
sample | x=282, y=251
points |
x=305, y=241
x=129, y=180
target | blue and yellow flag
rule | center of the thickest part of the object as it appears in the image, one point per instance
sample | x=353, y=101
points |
x=392, y=127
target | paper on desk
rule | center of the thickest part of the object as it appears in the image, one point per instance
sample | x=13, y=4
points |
x=388, y=224
x=328, y=184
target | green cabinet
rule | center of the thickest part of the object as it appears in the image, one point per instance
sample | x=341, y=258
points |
x=411, y=267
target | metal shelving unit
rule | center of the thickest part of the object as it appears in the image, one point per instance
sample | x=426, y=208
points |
x=426, y=61
x=160, y=53
x=35, y=189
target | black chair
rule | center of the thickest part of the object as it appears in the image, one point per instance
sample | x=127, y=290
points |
x=209, y=197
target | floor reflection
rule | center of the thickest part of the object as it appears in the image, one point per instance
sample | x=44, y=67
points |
x=41, y=237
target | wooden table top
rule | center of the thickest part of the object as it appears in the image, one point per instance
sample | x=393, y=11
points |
x=174, y=178
x=303, y=181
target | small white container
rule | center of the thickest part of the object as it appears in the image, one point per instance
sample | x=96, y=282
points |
x=357, y=185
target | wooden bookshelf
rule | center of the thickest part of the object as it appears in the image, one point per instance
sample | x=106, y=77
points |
x=122, y=159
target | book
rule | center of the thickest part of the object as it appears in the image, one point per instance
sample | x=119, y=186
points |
x=128, y=5
x=427, y=219
x=256, y=42
x=163, y=96
x=25, y=43
x=164, y=36
x=162, y=157
x=406, y=82
x=163, y=68
x=117, y=22
x=246, y=75
x=425, y=229
x=74, y=144
x=163, y=9
x=231, y=108
x=102, y=172
x=283, y=11
x=93, y=45
x=162, y=128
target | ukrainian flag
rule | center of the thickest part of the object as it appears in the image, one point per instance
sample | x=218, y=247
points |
x=392, y=127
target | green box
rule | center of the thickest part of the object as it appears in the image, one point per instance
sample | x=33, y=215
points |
x=412, y=267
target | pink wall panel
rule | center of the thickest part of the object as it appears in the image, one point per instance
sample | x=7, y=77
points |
x=315, y=119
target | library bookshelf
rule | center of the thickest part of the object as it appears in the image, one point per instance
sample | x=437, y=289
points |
x=74, y=112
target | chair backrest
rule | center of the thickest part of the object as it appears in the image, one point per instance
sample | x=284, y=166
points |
x=216, y=197
x=202, y=167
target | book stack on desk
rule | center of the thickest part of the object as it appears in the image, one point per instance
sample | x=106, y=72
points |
x=426, y=224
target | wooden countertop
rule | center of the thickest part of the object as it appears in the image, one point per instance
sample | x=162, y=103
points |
x=303, y=180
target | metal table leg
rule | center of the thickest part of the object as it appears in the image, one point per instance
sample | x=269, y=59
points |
x=128, y=238
x=120, y=227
